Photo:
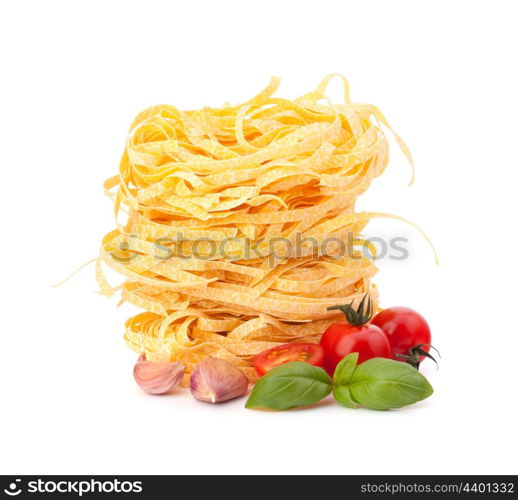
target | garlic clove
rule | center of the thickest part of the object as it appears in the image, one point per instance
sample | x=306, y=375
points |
x=157, y=378
x=215, y=380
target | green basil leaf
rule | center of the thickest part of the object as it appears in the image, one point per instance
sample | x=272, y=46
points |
x=342, y=394
x=341, y=378
x=289, y=386
x=345, y=369
x=381, y=384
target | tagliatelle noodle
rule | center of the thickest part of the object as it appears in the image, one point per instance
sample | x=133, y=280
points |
x=213, y=199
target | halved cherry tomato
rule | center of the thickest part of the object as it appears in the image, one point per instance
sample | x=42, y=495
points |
x=404, y=328
x=309, y=353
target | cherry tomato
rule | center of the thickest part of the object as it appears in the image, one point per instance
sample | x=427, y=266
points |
x=404, y=329
x=309, y=353
x=342, y=338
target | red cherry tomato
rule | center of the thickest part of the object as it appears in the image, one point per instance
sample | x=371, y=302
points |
x=309, y=353
x=404, y=329
x=342, y=338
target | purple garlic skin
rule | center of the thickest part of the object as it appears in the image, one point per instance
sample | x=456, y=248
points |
x=215, y=380
x=157, y=378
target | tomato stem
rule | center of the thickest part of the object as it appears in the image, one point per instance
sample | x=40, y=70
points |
x=413, y=357
x=356, y=317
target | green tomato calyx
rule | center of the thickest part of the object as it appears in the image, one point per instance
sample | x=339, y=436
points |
x=356, y=317
x=413, y=358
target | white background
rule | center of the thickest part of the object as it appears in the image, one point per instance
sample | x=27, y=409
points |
x=73, y=76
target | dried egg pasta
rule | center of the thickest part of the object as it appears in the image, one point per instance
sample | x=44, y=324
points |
x=202, y=188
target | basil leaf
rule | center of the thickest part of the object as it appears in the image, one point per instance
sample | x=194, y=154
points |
x=342, y=394
x=381, y=384
x=289, y=386
x=345, y=369
x=341, y=378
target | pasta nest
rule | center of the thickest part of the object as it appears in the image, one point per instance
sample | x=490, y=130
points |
x=233, y=219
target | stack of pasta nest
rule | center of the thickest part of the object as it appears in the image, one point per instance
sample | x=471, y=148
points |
x=238, y=223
